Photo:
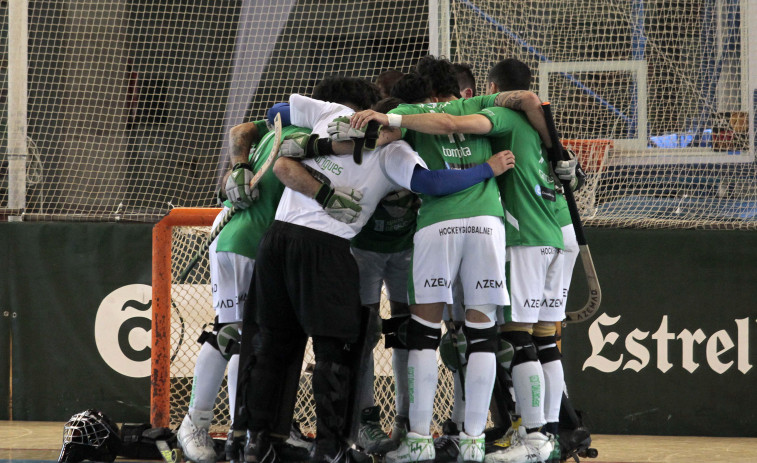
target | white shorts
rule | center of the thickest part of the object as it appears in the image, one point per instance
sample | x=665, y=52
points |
x=230, y=276
x=569, y=260
x=536, y=277
x=378, y=269
x=456, y=310
x=472, y=248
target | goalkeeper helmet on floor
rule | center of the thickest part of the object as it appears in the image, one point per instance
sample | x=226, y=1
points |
x=90, y=435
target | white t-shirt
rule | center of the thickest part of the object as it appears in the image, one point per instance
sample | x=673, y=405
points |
x=383, y=170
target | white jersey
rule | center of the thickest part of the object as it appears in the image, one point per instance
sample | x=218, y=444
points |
x=383, y=170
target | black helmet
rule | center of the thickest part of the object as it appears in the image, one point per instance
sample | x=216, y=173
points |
x=90, y=435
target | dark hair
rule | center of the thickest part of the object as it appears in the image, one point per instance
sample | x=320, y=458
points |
x=464, y=74
x=347, y=91
x=385, y=105
x=441, y=74
x=412, y=88
x=510, y=74
x=386, y=80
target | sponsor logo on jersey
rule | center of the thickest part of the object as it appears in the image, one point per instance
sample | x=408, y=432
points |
x=463, y=230
x=484, y=284
x=546, y=302
x=123, y=330
x=437, y=283
x=460, y=153
x=328, y=165
x=549, y=251
x=721, y=351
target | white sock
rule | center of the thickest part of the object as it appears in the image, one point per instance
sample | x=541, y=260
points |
x=210, y=369
x=554, y=383
x=233, y=375
x=422, y=375
x=399, y=365
x=479, y=382
x=458, y=407
x=528, y=381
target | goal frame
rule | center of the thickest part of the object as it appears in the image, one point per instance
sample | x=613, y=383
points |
x=161, y=304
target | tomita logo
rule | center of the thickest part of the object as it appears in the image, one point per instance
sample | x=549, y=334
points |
x=123, y=330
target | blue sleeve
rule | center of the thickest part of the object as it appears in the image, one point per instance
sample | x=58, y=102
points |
x=279, y=108
x=447, y=181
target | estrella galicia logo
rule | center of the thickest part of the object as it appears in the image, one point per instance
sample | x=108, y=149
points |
x=123, y=330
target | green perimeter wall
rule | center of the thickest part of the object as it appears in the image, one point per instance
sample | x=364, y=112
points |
x=673, y=347
x=75, y=300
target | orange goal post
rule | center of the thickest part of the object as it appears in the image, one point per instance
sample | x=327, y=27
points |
x=181, y=311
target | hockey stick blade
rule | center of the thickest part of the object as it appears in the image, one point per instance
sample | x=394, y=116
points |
x=595, y=293
x=253, y=183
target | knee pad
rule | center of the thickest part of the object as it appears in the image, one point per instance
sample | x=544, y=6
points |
x=420, y=336
x=225, y=338
x=452, y=347
x=522, y=342
x=547, y=348
x=395, y=331
x=481, y=339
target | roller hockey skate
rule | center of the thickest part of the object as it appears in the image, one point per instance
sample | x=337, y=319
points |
x=234, y=447
x=472, y=448
x=261, y=447
x=414, y=448
x=371, y=437
x=533, y=447
x=447, y=446
x=193, y=438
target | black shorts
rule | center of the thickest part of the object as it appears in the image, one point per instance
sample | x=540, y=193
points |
x=307, y=277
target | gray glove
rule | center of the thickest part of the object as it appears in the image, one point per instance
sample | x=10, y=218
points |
x=341, y=203
x=299, y=146
x=340, y=130
x=238, y=186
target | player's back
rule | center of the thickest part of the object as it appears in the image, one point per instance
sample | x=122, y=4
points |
x=528, y=190
x=456, y=151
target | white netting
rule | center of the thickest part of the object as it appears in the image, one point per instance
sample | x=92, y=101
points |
x=129, y=100
x=666, y=81
x=192, y=309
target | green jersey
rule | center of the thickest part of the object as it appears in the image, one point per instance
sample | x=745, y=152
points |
x=562, y=213
x=457, y=151
x=388, y=231
x=528, y=189
x=243, y=232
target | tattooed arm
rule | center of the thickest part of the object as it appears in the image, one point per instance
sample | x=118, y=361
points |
x=530, y=104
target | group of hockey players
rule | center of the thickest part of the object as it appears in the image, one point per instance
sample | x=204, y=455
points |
x=445, y=199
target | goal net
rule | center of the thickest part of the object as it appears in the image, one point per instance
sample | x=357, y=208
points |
x=129, y=102
x=673, y=86
x=182, y=311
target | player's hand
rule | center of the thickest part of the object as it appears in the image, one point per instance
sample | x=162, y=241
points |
x=340, y=129
x=566, y=172
x=361, y=118
x=299, y=146
x=238, y=186
x=501, y=162
x=341, y=203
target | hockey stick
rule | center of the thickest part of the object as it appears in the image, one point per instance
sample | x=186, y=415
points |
x=253, y=183
x=556, y=153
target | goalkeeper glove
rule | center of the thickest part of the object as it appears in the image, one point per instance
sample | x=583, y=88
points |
x=305, y=146
x=341, y=203
x=238, y=186
x=340, y=130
